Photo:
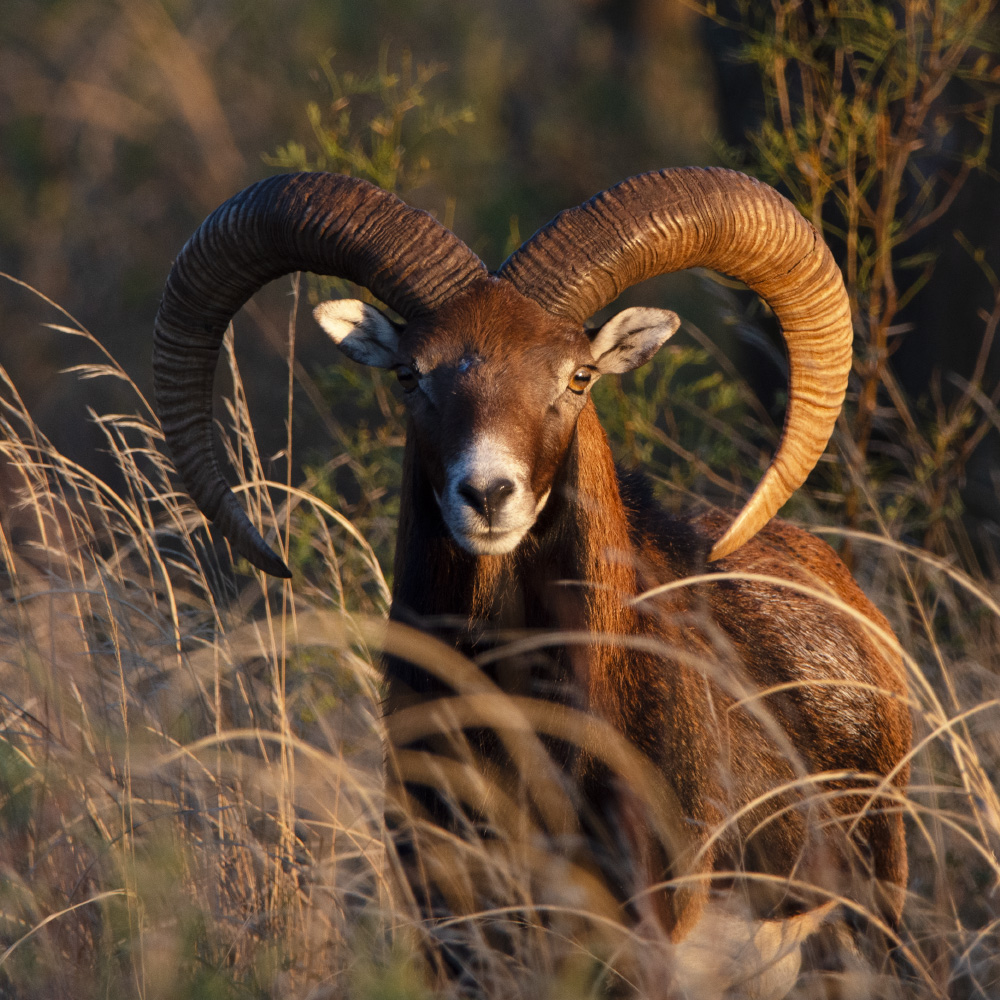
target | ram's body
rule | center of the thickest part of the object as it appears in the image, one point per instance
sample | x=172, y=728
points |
x=669, y=670
x=738, y=690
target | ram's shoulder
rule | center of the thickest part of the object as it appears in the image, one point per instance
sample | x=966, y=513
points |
x=783, y=550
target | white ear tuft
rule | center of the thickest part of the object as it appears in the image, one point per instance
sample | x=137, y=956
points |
x=630, y=338
x=359, y=330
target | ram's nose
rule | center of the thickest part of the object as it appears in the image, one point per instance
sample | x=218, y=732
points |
x=486, y=499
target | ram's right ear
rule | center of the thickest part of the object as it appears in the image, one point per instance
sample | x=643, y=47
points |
x=360, y=331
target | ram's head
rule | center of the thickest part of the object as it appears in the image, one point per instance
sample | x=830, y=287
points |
x=497, y=368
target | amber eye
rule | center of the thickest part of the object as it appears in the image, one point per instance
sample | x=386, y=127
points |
x=407, y=378
x=582, y=377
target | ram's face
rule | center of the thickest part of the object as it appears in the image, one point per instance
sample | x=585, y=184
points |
x=494, y=386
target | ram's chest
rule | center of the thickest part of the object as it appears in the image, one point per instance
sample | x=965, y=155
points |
x=523, y=631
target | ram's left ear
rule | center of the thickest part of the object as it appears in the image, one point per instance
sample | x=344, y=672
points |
x=631, y=338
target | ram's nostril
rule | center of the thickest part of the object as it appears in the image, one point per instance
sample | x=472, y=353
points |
x=488, y=499
x=498, y=491
x=476, y=499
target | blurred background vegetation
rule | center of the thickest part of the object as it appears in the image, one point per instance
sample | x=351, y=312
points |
x=123, y=123
x=171, y=756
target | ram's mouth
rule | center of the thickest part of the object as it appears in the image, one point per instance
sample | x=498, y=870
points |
x=491, y=542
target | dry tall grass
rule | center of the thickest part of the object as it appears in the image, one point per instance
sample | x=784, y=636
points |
x=192, y=789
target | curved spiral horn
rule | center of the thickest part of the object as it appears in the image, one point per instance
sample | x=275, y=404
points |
x=675, y=219
x=325, y=223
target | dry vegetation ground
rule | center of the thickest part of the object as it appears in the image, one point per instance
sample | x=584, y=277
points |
x=192, y=787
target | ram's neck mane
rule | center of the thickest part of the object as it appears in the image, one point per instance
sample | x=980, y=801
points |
x=575, y=572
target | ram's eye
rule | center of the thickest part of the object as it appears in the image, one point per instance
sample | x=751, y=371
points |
x=407, y=378
x=580, y=379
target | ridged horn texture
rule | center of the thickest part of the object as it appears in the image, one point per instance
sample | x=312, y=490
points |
x=720, y=219
x=325, y=223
